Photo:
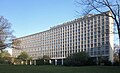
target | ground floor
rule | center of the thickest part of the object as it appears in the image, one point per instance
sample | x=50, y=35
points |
x=52, y=61
x=97, y=60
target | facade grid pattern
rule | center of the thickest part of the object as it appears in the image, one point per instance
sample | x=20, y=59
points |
x=91, y=33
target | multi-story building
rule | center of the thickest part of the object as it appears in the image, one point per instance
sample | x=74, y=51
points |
x=91, y=33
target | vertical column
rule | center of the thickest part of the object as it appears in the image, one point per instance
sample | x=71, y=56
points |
x=50, y=61
x=34, y=62
x=55, y=61
x=62, y=61
x=22, y=62
x=26, y=62
x=30, y=62
x=97, y=60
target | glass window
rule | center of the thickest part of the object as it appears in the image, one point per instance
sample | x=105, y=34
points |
x=95, y=40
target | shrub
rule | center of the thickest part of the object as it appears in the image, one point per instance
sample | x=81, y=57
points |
x=77, y=59
x=40, y=62
x=116, y=63
x=91, y=61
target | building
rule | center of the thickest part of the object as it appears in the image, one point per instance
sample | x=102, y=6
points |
x=91, y=33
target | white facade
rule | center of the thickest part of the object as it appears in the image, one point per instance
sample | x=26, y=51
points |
x=91, y=33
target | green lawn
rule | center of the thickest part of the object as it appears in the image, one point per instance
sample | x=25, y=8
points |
x=58, y=69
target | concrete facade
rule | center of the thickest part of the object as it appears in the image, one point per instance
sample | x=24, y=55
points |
x=91, y=33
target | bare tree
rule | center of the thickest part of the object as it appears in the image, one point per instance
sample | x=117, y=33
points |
x=101, y=6
x=5, y=33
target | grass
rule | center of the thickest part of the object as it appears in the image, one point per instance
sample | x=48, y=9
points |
x=58, y=69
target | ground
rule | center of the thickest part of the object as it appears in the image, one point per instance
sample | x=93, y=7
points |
x=58, y=69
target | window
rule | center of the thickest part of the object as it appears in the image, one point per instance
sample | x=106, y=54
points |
x=98, y=17
x=91, y=45
x=102, y=43
x=95, y=36
x=91, y=33
x=107, y=30
x=95, y=44
x=91, y=37
x=98, y=44
x=88, y=41
x=107, y=18
x=106, y=52
x=102, y=39
x=95, y=40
